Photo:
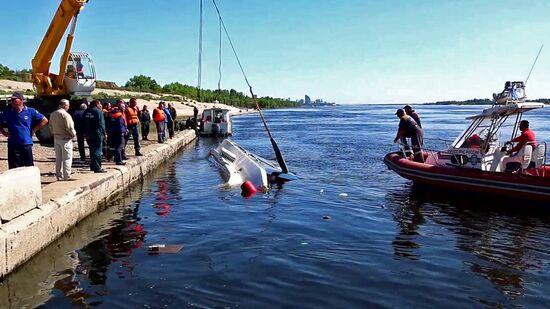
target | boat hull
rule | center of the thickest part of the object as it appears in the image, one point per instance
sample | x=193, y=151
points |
x=238, y=165
x=522, y=186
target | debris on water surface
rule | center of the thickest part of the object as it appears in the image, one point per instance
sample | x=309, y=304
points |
x=327, y=217
x=304, y=243
x=322, y=191
x=343, y=195
x=161, y=248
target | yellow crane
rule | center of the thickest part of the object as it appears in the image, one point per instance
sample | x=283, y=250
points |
x=76, y=70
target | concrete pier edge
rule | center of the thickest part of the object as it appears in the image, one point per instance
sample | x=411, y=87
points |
x=26, y=235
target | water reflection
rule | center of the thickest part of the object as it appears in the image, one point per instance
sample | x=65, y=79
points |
x=505, y=246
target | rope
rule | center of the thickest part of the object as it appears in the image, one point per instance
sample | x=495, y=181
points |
x=534, y=62
x=278, y=153
x=220, y=59
x=199, y=77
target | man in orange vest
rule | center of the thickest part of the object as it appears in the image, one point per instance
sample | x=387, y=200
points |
x=159, y=118
x=132, y=121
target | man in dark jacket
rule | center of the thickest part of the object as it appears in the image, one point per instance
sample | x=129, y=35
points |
x=145, y=119
x=172, y=120
x=117, y=132
x=78, y=117
x=95, y=131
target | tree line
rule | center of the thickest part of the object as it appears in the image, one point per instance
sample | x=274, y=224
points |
x=229, y=97
x=142, y=83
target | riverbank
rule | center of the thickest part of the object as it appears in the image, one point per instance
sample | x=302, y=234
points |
x=65, y=203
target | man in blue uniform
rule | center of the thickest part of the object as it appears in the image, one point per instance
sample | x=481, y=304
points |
x=22, y=122
x=117, y=132
x=95, y=131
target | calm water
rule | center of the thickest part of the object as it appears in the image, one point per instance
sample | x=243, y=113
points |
x=387, y=243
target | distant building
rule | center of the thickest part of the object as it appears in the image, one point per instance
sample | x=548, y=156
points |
x=301, y=101
x=307, y=100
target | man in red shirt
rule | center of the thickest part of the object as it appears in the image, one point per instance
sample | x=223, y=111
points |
x=527, y=137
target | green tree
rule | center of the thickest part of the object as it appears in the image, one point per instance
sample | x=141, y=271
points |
x=5, y=71
x=143, y=83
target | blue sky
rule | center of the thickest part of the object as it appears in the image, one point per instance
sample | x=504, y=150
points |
x=348, y=51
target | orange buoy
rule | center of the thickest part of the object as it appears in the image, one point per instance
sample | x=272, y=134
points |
x=248, y=189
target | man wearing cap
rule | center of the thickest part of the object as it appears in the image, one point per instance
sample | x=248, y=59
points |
x=62, y=127
x=408, y=128
x=409, y=111
x=22, y=122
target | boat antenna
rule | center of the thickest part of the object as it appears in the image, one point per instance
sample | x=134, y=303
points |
x=533, y=66
x=278, y=153
x=199, y=74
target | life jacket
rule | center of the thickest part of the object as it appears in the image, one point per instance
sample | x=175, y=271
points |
x=116, y=113
x=158, y=115
x=132, y=117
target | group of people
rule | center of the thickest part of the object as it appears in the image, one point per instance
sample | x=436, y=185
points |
x=409, y=127
x=108, y=129
x=105, y=128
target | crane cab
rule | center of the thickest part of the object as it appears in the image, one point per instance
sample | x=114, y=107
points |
x=80, y=76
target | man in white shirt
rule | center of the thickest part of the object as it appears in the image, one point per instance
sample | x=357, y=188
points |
x=62, y=127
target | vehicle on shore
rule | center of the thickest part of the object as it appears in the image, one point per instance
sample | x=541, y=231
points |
x=76, y=78
x=477, y=159
x=216, y=122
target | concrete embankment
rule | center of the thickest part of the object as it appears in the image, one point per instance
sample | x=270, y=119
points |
x=25, y=231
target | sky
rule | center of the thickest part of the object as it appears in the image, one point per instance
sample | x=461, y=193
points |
x=344, y=51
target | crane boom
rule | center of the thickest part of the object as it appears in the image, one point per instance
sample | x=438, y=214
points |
x=46, y=83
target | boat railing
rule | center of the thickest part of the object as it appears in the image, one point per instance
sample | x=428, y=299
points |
x=431, y=150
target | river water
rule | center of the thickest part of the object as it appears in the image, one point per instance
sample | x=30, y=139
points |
x=387, y=243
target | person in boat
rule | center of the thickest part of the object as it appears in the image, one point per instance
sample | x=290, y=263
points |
x=409, y=111
x=408, y=128
x=474, y=141
x=527, y=137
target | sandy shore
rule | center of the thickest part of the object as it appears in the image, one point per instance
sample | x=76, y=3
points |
x=184, y=107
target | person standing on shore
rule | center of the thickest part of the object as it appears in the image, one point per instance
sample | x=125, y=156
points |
x=132, y=121
x=159, y=118
x=168, y=120
x=173, y=116
x=62, y=127
x=117, y=133
x=195, y=113
x=145, y=119
x=409, y=111
x=95, y=131
x=22, y=122
x=78, y=118
x=121, y=106
x=106, y=149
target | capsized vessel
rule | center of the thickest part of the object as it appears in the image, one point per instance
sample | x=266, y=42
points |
x=238, y=165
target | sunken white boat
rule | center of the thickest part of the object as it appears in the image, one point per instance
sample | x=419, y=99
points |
x=238, y=165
